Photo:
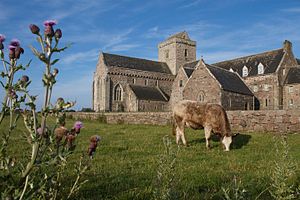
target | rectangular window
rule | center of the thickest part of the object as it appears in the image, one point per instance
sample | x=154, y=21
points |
x=291, y=101
x=180, y=83
x=185, y=53
x=291, y=89
x=167, y=53
x=146, y=82
x=134, y=81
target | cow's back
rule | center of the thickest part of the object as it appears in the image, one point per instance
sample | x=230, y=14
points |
x=201, y=114
x=190, y=111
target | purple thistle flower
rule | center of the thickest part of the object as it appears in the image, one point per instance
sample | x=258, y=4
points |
x=15, y=42
x=78, y=125
x=2, y=38
x=50, y=22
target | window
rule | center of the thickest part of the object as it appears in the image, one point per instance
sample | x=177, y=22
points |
x=180, y=83
x=291, y=89
x=118, y=93
x=266, y=103
x=133, y=80
x=245, y=71
x=167, y=53
x=201, y=97
x=260, y=69
x=146, y=82
x=291, y=102
x=185, y=53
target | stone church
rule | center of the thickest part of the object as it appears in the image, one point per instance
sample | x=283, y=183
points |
x=268, y=80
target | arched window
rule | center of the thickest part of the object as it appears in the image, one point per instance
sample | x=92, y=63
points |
x=245, y=71
x=118, y=93
x=201, y=97
x=260, y=69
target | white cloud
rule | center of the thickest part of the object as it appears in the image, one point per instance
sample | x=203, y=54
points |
x=123, y=47
x=79, y=57
x=292, y=10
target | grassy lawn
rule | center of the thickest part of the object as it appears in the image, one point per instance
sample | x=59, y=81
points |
x=126, y=162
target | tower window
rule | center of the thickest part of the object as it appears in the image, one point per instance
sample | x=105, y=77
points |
x=185, y=53
x=167, y=53
x=133, y=80
x=146, y=82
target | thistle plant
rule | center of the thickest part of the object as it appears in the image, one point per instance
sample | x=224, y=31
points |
x=284, y=171
x=41, y=175
x=164, y=188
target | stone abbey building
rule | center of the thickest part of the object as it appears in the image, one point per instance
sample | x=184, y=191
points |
x=268, y=80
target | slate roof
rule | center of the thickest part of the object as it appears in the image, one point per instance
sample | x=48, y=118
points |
x=189, y=68
x=113, y=60
x=293, y=76
x=149, y=93
x=269, y=59
x=229, y=81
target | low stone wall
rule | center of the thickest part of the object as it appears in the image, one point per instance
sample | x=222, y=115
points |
x=244, y=121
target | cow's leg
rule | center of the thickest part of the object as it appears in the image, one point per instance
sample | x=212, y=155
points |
x=207, y=131
x=180, y=133
x=227, y=141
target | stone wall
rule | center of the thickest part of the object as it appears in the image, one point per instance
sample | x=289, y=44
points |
x=242, y=121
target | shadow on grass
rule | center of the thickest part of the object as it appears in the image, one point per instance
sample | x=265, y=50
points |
x=240, y=140
x=237, y=143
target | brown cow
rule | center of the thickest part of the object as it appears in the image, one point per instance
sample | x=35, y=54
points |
x=197, y=115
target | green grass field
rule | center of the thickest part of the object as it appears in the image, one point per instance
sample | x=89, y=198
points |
x=126, y=162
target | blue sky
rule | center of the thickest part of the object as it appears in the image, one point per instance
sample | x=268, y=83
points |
x=223, y=29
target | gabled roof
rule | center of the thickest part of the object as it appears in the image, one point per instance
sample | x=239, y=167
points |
x=229, y=81
x=149, y=93
x=180, y=35
x=293, y=76
x=113, y=60
x=269, y=59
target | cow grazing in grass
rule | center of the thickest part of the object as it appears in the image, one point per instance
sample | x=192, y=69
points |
x=211, y=117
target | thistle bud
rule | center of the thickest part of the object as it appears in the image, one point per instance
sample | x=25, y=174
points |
x=12, y=52
x=60, y=100
x=34, y=29
x=24, y=79
x=55, y=71
x=18, y=52
x=58, y=34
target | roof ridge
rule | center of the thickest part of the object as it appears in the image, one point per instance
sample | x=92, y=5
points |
x=133, y=57
x=243, y=57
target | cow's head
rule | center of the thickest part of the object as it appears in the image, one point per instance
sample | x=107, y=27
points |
x=227, y=141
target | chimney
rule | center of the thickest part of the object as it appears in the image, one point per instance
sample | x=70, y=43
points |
x=287, y=46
